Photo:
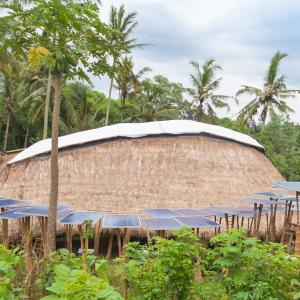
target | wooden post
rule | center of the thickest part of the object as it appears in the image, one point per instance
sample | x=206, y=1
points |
x=97, y=237
x=227, y=222
x=43, y=221
x=69, y=234
x=255, y=220
x=297, y=240
x=26, y=242
x=119, y=243
x=4, y=229
x=110, y=243
x=260, y=208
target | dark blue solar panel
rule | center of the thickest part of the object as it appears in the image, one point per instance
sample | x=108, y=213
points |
x=197, y=222
x=162, y=223
x=11, y=215
x=42, y=210
x=188, y=212
x=121, y=221
x=161, y=212
x=287, y=185
x=12, y=202
x=79, y=217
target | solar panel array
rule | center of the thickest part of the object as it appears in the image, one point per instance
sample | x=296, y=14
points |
x=197, y=222
x=260, y=201
x=79, y=217
x=121, y=221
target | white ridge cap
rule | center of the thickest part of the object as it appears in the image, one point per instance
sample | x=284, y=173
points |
x=135, y=130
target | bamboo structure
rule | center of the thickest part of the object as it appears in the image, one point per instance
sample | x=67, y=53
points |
x=162, y=171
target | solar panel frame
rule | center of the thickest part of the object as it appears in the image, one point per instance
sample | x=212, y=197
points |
x=79, y=217
x=114, y=220
x=197, y=222
x=161, y=212
x=161, y=223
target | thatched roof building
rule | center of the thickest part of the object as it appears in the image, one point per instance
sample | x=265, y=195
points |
x=128, y=167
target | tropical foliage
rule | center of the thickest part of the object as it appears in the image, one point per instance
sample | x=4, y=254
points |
x=233, y=267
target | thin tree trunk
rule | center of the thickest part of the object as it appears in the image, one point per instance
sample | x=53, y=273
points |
x=26, y=137
x=47, y=102
x=109, y=97
x=6, y=133
x=51, y=237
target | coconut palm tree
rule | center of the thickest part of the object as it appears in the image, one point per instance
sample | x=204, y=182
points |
x=127, y=81
x=205, y=83
x=79, y=110
x=270, y=98
x=123, y=24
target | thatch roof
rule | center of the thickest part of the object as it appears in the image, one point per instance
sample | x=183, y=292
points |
x=136, y=130
x=125, y=175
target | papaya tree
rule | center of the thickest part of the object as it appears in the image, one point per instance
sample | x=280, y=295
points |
x=70, y=38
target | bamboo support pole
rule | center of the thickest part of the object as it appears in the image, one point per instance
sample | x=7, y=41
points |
x=4, y=239
x=119, y=243
x=98, y=227
x=255, y=220
x=109, y=248
x=297, y=240
x=69, y=234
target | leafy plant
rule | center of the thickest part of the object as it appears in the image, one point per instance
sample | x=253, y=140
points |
x=78, y=284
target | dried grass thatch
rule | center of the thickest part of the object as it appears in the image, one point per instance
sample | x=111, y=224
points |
x=127, y=175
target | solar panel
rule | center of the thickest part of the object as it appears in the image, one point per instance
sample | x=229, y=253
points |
x=187, y=212
x=6, y=202
x=162, y=223
x=210, y=211
x=79, y=217
x=206, y=212
x=11, y=215
x=259, y=201
x=161, y=212
x=272, y=195
x=197, y=222
x=121, y=221
x=287, y=185
x=42, y=210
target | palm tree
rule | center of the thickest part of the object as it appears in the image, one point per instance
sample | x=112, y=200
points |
x=11, y=72
x=79, y=111
x=205, y=83
x=127, y=81
x=270, y=98
x=123, y=24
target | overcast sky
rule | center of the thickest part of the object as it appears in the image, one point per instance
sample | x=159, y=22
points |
x=242, y=35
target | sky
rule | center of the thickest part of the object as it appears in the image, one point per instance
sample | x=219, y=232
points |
x=241, y=35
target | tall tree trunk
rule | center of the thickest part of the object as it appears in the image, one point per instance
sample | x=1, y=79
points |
x=109, y=96
x=108, y=102
x=26, y=137
x=51, y=236
x=6, y=133
x=47, y=103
